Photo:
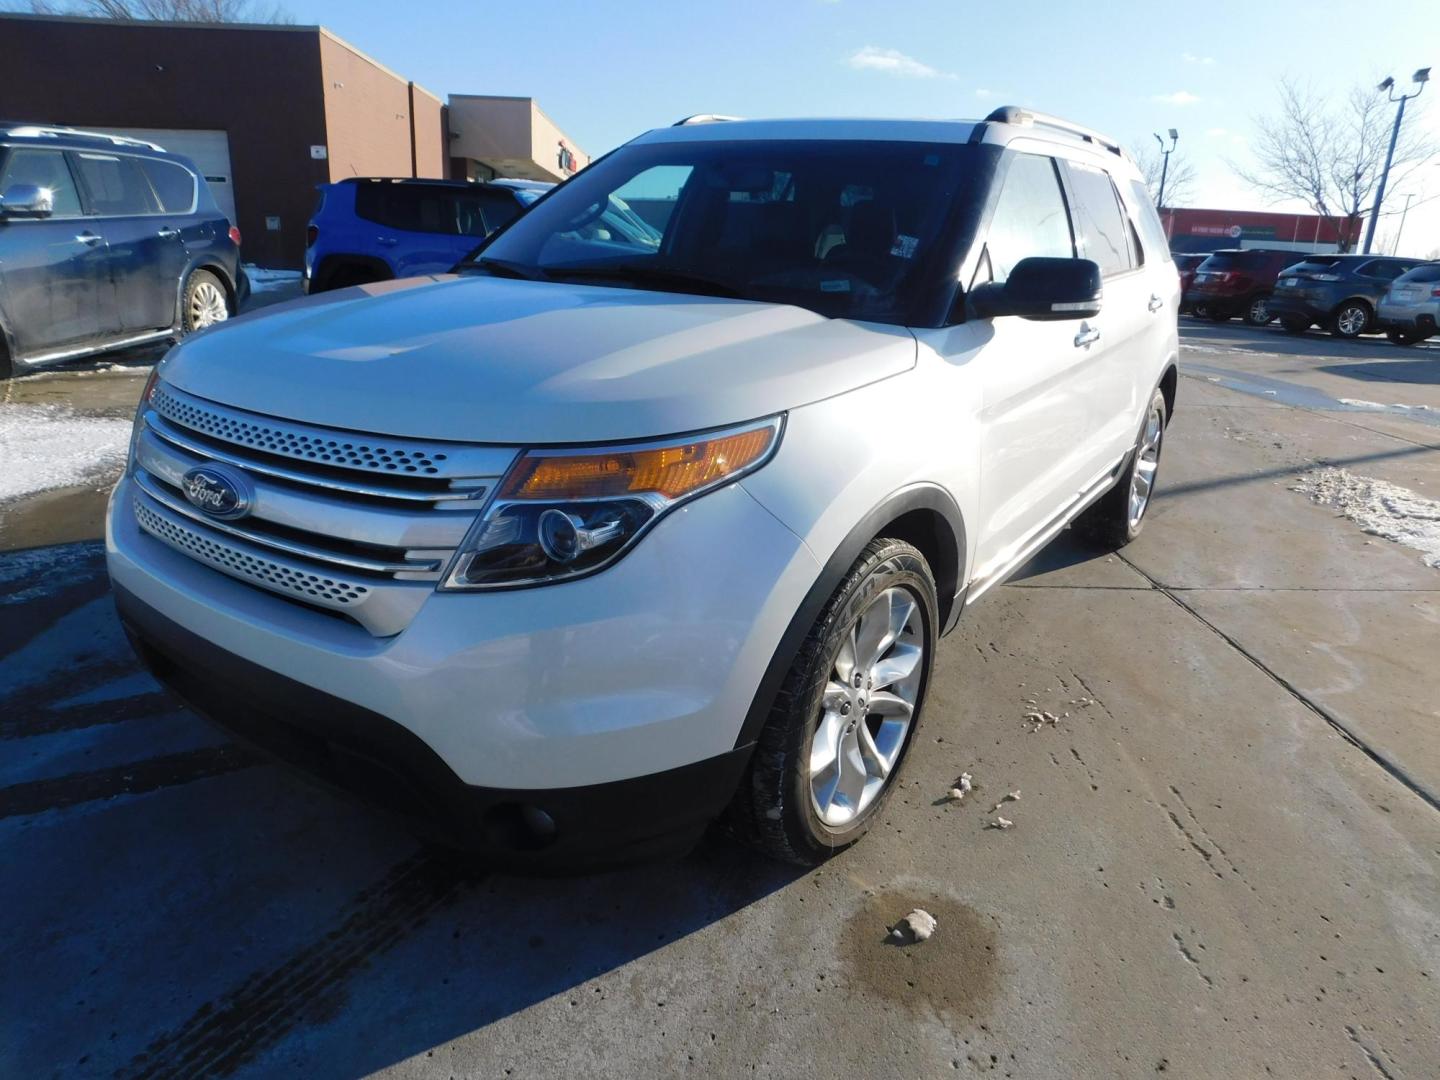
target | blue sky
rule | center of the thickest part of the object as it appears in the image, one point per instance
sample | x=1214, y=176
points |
x=606, y=71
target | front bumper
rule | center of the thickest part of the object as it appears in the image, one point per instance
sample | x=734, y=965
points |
x=387, y=765
x=644, y=669
x=1292, y=307
x=1220, y=303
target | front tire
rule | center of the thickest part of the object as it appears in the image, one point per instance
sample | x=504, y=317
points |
x=204, y=302
x=1116, y=518
x=846, y=714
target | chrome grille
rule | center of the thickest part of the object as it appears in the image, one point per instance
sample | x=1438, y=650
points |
x=299, y=441
x=348, y=522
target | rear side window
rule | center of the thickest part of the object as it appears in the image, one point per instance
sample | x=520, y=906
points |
x=414, y=208
x=482, y=212
x=1383, y=270
x=116, y=185
x=1098, y=220
x=46, y=169
x=1152, y=233
x=1030, y=218
x=174, y=185
x=1423, y=274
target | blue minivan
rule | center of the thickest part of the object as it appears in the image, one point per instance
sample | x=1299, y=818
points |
x=105, y=242
x=371, y=229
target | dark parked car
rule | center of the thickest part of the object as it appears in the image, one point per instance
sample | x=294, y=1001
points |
x=1187, y=264
x=1339, y=292
x=1237, y=282
x=372, y=229
x=104, y=242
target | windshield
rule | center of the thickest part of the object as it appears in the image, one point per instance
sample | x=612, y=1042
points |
x=846, y=229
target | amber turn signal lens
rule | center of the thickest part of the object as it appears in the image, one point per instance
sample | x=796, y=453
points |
x=670, y=471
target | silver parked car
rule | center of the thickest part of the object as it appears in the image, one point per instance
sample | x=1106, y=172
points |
x=1410, y=309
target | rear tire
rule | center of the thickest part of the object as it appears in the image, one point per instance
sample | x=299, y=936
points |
x=1116, y=518
x=1294, y=326
x=1257, y=311
x=824, y=724
x=204, y=302
x=1351, y=319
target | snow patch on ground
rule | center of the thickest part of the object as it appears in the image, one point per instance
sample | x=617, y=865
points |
x=262, y=279
x=48, y=446
x=1380, y=508
x=1361, y=403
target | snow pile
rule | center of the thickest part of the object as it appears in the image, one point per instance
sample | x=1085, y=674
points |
x=262, y=279
x=913, y=928
x=49, y=446
x=1380, y=508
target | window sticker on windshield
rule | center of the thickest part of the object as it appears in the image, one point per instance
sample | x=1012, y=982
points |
x=932, y=159
x=905, y=246
x=842, y=285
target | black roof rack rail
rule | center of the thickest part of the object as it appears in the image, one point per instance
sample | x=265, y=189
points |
x=1018, y=115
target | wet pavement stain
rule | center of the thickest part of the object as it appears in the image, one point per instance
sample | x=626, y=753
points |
x=955, y=973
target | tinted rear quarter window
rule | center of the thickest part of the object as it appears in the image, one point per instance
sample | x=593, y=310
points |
x=174, y=185
x=1098, y=220
x=116, y=184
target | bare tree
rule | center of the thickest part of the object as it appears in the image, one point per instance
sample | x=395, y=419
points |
x=199, y=11
x=1179, y=179
x=1329, y=155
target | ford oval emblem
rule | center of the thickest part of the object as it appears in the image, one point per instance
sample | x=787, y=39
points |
x=219, y=492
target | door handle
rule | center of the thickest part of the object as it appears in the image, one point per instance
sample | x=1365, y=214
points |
x=89, y=239
x=1156, y=303
x=387, y=241
x=168, y=233
x=1088, y=335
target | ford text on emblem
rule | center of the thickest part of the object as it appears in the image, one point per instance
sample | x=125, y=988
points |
x=221, y=493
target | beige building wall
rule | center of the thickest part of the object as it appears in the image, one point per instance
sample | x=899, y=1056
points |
x=432, y=155
x=367, y=113
x=510, y=136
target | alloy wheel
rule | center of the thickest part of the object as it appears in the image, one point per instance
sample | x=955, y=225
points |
x=207, y=305
x=1351, y=320
x=867, y=707
x=1260, y=310
x=1147, y=463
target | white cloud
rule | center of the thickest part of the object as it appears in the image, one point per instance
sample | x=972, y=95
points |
x=1179, y=97
x=1191, y=58
x=983, y=93
x=1216, y=133
x=893, y=62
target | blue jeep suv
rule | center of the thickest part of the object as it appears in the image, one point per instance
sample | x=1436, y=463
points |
x=373, y=229
x=105, y=242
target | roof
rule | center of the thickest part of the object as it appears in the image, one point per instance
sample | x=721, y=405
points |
x=46, y=134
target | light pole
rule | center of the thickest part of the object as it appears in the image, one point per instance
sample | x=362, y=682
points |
x=1403, y=214
x=1165, y=161
x=1421, y=77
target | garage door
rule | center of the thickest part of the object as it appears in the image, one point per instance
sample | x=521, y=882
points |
x=210, y=150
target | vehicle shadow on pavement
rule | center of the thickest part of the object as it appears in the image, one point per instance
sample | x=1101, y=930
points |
x=1422, y=371
x=176, y=906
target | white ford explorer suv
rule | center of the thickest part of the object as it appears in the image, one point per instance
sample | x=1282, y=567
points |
x=603, y=537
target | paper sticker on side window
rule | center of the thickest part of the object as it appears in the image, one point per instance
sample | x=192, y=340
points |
x=905, y=246
x=840, y=285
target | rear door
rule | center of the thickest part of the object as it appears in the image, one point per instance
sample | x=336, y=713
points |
x=147, y=255
x=414, y=226
x=55, y=286
x=1131, y=320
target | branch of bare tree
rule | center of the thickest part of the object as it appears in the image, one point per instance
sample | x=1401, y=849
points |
x=1179, y=179
x=1329, y=155
x=198, y=11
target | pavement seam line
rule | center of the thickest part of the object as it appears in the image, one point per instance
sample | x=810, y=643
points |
x=1390, y=767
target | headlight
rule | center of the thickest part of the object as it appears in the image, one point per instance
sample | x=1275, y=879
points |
x=560, y=514
x=136, y=426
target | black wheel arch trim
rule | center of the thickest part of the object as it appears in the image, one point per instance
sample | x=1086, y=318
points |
x=924, y=496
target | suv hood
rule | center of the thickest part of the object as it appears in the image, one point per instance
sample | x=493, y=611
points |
x=494, y=360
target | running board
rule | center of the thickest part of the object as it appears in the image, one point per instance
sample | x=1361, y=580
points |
x=93, y=350
x=980, y=585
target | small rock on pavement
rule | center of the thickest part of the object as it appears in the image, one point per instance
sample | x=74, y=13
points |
x=1001, y=823
x=915, y=927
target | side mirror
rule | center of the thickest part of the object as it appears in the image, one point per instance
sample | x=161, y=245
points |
x=31, y=199
x=1043, y=290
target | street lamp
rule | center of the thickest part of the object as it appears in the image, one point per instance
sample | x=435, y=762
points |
x=1165, y=161
x=1421, y=77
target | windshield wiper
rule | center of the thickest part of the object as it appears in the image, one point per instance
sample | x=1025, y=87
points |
x=505, y=268
x=658, y=276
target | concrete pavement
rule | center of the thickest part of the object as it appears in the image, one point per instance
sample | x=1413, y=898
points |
x=1227, y=865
